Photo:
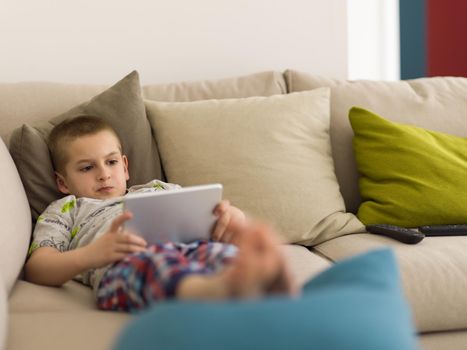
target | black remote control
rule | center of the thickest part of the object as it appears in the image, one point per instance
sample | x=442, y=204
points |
x=401, y=234
x=444, y=230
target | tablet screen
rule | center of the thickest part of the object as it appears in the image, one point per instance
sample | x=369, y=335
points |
x=182, y=215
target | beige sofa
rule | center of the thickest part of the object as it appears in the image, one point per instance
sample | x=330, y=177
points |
x=433, y=273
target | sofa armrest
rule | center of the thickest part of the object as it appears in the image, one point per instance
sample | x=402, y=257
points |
x=15, y=219
x=3, y=314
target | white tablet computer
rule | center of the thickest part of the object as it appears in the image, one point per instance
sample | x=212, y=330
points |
x=182, y=215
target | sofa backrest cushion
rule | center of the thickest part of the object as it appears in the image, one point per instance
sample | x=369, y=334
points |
x=259, y=84
x=16, y=221
x=32, y=102
x=120, y=105
x=272, y=154
x=438, y=104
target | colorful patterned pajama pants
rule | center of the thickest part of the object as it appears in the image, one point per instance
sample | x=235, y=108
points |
x=143, y=278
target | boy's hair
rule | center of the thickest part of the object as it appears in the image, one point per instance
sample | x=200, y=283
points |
x=69, y=130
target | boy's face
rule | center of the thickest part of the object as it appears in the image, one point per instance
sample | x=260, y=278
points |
x=95, y=167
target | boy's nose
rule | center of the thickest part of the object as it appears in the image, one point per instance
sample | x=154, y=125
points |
x=103, y=174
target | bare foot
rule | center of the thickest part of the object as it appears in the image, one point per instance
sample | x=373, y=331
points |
x=258, y=269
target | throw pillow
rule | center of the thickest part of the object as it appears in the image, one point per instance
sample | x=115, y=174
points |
x=272, y=154
x=122, y=106
x=410, y=176
x=356, y=304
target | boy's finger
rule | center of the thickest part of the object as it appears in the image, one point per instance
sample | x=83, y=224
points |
x=129, y=248
x=227, y=236
x=139, y=240
x=221, y=225
x=132, y=239
x=221, y=207
x=119, y=220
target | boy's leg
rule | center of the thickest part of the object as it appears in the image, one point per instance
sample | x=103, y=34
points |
x=143, y=278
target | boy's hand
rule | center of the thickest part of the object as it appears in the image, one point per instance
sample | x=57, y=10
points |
x=115, y=244
x=231, y=219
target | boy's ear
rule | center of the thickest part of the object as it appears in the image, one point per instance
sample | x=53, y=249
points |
x=61, y=183
x=125, y=164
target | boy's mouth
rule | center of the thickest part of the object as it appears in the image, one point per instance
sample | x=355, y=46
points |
x=105, y=189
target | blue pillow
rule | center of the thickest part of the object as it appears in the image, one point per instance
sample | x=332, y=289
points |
x=356, y=304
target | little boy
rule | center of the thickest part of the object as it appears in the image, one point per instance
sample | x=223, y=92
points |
x=81, y=236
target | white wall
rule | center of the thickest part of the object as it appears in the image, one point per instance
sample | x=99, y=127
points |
x=99, y=41
x=373, y=39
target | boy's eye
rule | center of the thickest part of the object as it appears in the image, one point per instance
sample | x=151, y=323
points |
x=113, y=161
x=86, y=168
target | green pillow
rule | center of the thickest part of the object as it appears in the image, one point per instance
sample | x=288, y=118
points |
x=409, y=176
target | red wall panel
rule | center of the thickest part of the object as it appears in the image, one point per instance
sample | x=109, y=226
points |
x=447, y=37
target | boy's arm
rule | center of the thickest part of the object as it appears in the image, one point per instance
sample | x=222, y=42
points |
x=49, y=266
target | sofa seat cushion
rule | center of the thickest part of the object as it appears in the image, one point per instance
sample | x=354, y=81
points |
x=433, y=274
x=30, y=297
x=65, y=330
x=303, y=264
x=60, y=318
x=454, y=340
